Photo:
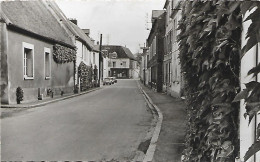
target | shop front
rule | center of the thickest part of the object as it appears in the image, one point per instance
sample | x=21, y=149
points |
x=120, y=73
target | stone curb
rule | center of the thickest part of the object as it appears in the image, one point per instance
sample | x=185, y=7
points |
x=48, y=102
x=151, y=149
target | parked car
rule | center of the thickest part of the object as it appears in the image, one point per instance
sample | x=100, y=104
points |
x=114, y=78
x=107, y=81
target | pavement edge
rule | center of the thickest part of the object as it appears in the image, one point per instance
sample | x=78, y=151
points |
x=151, y=149
x=48, y=102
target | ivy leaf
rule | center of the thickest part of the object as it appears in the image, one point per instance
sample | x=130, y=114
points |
x=221, y=45
x=219, y=62
x=252, y=109
x=254, y=15
x=247, y=6
x=228, y=148
x=209, y=28
x=232, y=22
x=254, y=70
x=233, y=6
x=251, y=85
x=253, y=31
x=217, y=100
x=241, y=95
x=223, y=125
x=250, y=43
x=226, y=144
x=224, y=109
x=252, y=150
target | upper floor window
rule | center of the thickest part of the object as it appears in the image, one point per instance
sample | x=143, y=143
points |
x=114, y=64
x=47, y=63
x=28, y=60
x=124, y=63
x=175, y=25
x=154, y=46
x=169, y=42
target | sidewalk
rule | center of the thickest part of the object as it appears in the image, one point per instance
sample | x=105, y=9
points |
x=170, y=143
x=48, y=100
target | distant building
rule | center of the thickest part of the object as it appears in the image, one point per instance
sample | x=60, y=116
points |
x=118, y=62
x=155, y=43
x=86, y=51
x=143, y=66
x=37, y=54
x=172, y=80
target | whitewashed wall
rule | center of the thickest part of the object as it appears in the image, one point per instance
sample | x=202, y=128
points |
x=247, y=132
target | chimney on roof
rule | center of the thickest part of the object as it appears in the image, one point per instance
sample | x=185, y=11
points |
x=74, y=21
x=86, y=31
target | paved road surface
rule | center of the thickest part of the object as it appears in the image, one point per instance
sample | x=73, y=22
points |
x=107, y=124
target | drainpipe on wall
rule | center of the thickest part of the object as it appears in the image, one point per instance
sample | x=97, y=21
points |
x=100, y=61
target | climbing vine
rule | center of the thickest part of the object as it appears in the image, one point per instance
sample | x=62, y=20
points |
x=85, y=74
x=251, y=94
x=209, y=42
x=63, y=54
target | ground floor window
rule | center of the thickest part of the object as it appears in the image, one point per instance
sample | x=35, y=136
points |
x=47, y=63
x=28, y=60
x=169, y=72
x=120, y=72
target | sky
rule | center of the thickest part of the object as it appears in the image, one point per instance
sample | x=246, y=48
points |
x=121, y=22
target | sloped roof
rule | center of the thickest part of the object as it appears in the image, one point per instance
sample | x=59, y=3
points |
x=122, y=52
x=80, y=33
x=129, y=53
x=156, y=14
x=34, y=17
x=71, y=27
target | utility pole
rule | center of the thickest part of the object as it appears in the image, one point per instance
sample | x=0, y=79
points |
x=100, y=62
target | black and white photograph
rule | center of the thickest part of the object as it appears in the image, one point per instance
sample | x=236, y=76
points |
x=130, y=80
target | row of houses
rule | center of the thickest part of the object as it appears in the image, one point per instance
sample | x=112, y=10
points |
x=160, y=68
x=45, y=53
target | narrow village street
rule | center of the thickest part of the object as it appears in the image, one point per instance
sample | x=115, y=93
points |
x=130, y=80
x=107, y=124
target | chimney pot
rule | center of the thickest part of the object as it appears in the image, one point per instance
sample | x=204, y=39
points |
x=86, y=31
